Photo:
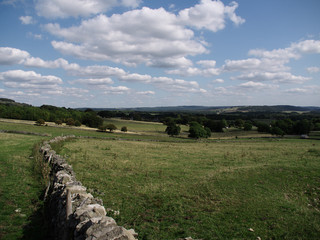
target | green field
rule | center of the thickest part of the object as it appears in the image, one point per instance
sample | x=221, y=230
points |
x=169, y=188
x=210, y=190
x=20, y=188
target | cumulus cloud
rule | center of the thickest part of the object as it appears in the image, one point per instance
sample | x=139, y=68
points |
x=125, y=38
x=28, y=79
x=116, y=90
x=166, y=41
x=271, y=65
x=313, y=69
x=210, y=15
x=26, y=20
x=75, y=8
x=257, y=86
x=278, y=77
x=146, y=93
x=10, y=56
x=94, y=81
x=219, y=80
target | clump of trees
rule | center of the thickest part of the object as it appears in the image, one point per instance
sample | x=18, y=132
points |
x=196, y=130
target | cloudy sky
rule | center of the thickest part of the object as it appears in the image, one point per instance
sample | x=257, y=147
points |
x=142, y=53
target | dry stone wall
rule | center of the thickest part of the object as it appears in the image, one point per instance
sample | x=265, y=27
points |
x=73, y=212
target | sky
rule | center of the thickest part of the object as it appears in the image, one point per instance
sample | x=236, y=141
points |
x=147, y=53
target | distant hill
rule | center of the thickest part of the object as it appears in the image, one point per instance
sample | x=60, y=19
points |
x=217, y=109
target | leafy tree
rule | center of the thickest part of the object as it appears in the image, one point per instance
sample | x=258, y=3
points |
x=124, y=129
x=173, y=129
x=91, y=119
x=196, y=130
x=111, y=127
x=77, y=123
x=239, y=123
x=70, y=122
x=102, y=128
x=247, y=126
x=215, y=126
x=263, y=127
x=302, y=127
x=277, y=131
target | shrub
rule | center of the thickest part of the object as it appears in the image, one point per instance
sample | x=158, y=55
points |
x=173, y=129
x=58, y=122
x=124, y=129
x=40, y=122
x=77, y=123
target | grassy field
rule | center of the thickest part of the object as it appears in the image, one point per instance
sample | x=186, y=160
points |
x=235, y=189
x=20, y=189
x=167, y=188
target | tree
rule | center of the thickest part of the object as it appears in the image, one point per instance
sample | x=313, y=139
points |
x=70, y=122
x=247, y=126
x=173, y=129
x=124, y=129
x=77, y=123
x=196, y=130
x=40, y=122
x=111, y=127
x=263, y=127
x=277, y=131
x=239, y=123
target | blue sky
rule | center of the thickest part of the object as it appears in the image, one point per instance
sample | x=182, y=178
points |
x=135, y=53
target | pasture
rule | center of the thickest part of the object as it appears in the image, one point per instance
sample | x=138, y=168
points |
x=168, y=188
x=232, y=189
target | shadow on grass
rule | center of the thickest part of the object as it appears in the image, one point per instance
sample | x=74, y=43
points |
x=38, y=224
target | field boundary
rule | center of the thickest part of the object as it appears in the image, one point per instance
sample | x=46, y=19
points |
x=74, y=213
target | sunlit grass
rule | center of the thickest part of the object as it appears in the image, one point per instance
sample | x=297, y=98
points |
x=214, y=190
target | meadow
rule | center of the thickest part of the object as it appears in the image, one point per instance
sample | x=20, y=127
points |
x=237, y=185
x=20, y=188
x=231, y=189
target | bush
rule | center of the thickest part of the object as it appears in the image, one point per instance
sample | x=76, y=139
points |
x=77, y=123
x=58, y=122
x=124, y=129
x=40, y=122
x=70, y=122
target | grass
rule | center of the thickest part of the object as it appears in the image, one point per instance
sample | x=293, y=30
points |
x=20, y=189
x=172, y=187
x=207, y=190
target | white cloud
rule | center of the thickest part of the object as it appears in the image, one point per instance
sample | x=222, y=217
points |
x=219, y=80
x=10, y=56
x=146, y=93
x=257, y=86
x=75, y=8
x=135, y=77
x=28, y=79
x=94, y=81
x=210, y=15
x=296, y=90
x=166, y=41
x=125, y=38
x=1, y=90
x=278, y=77
x=116, y=90
x=26, y=20
x=313, y=69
